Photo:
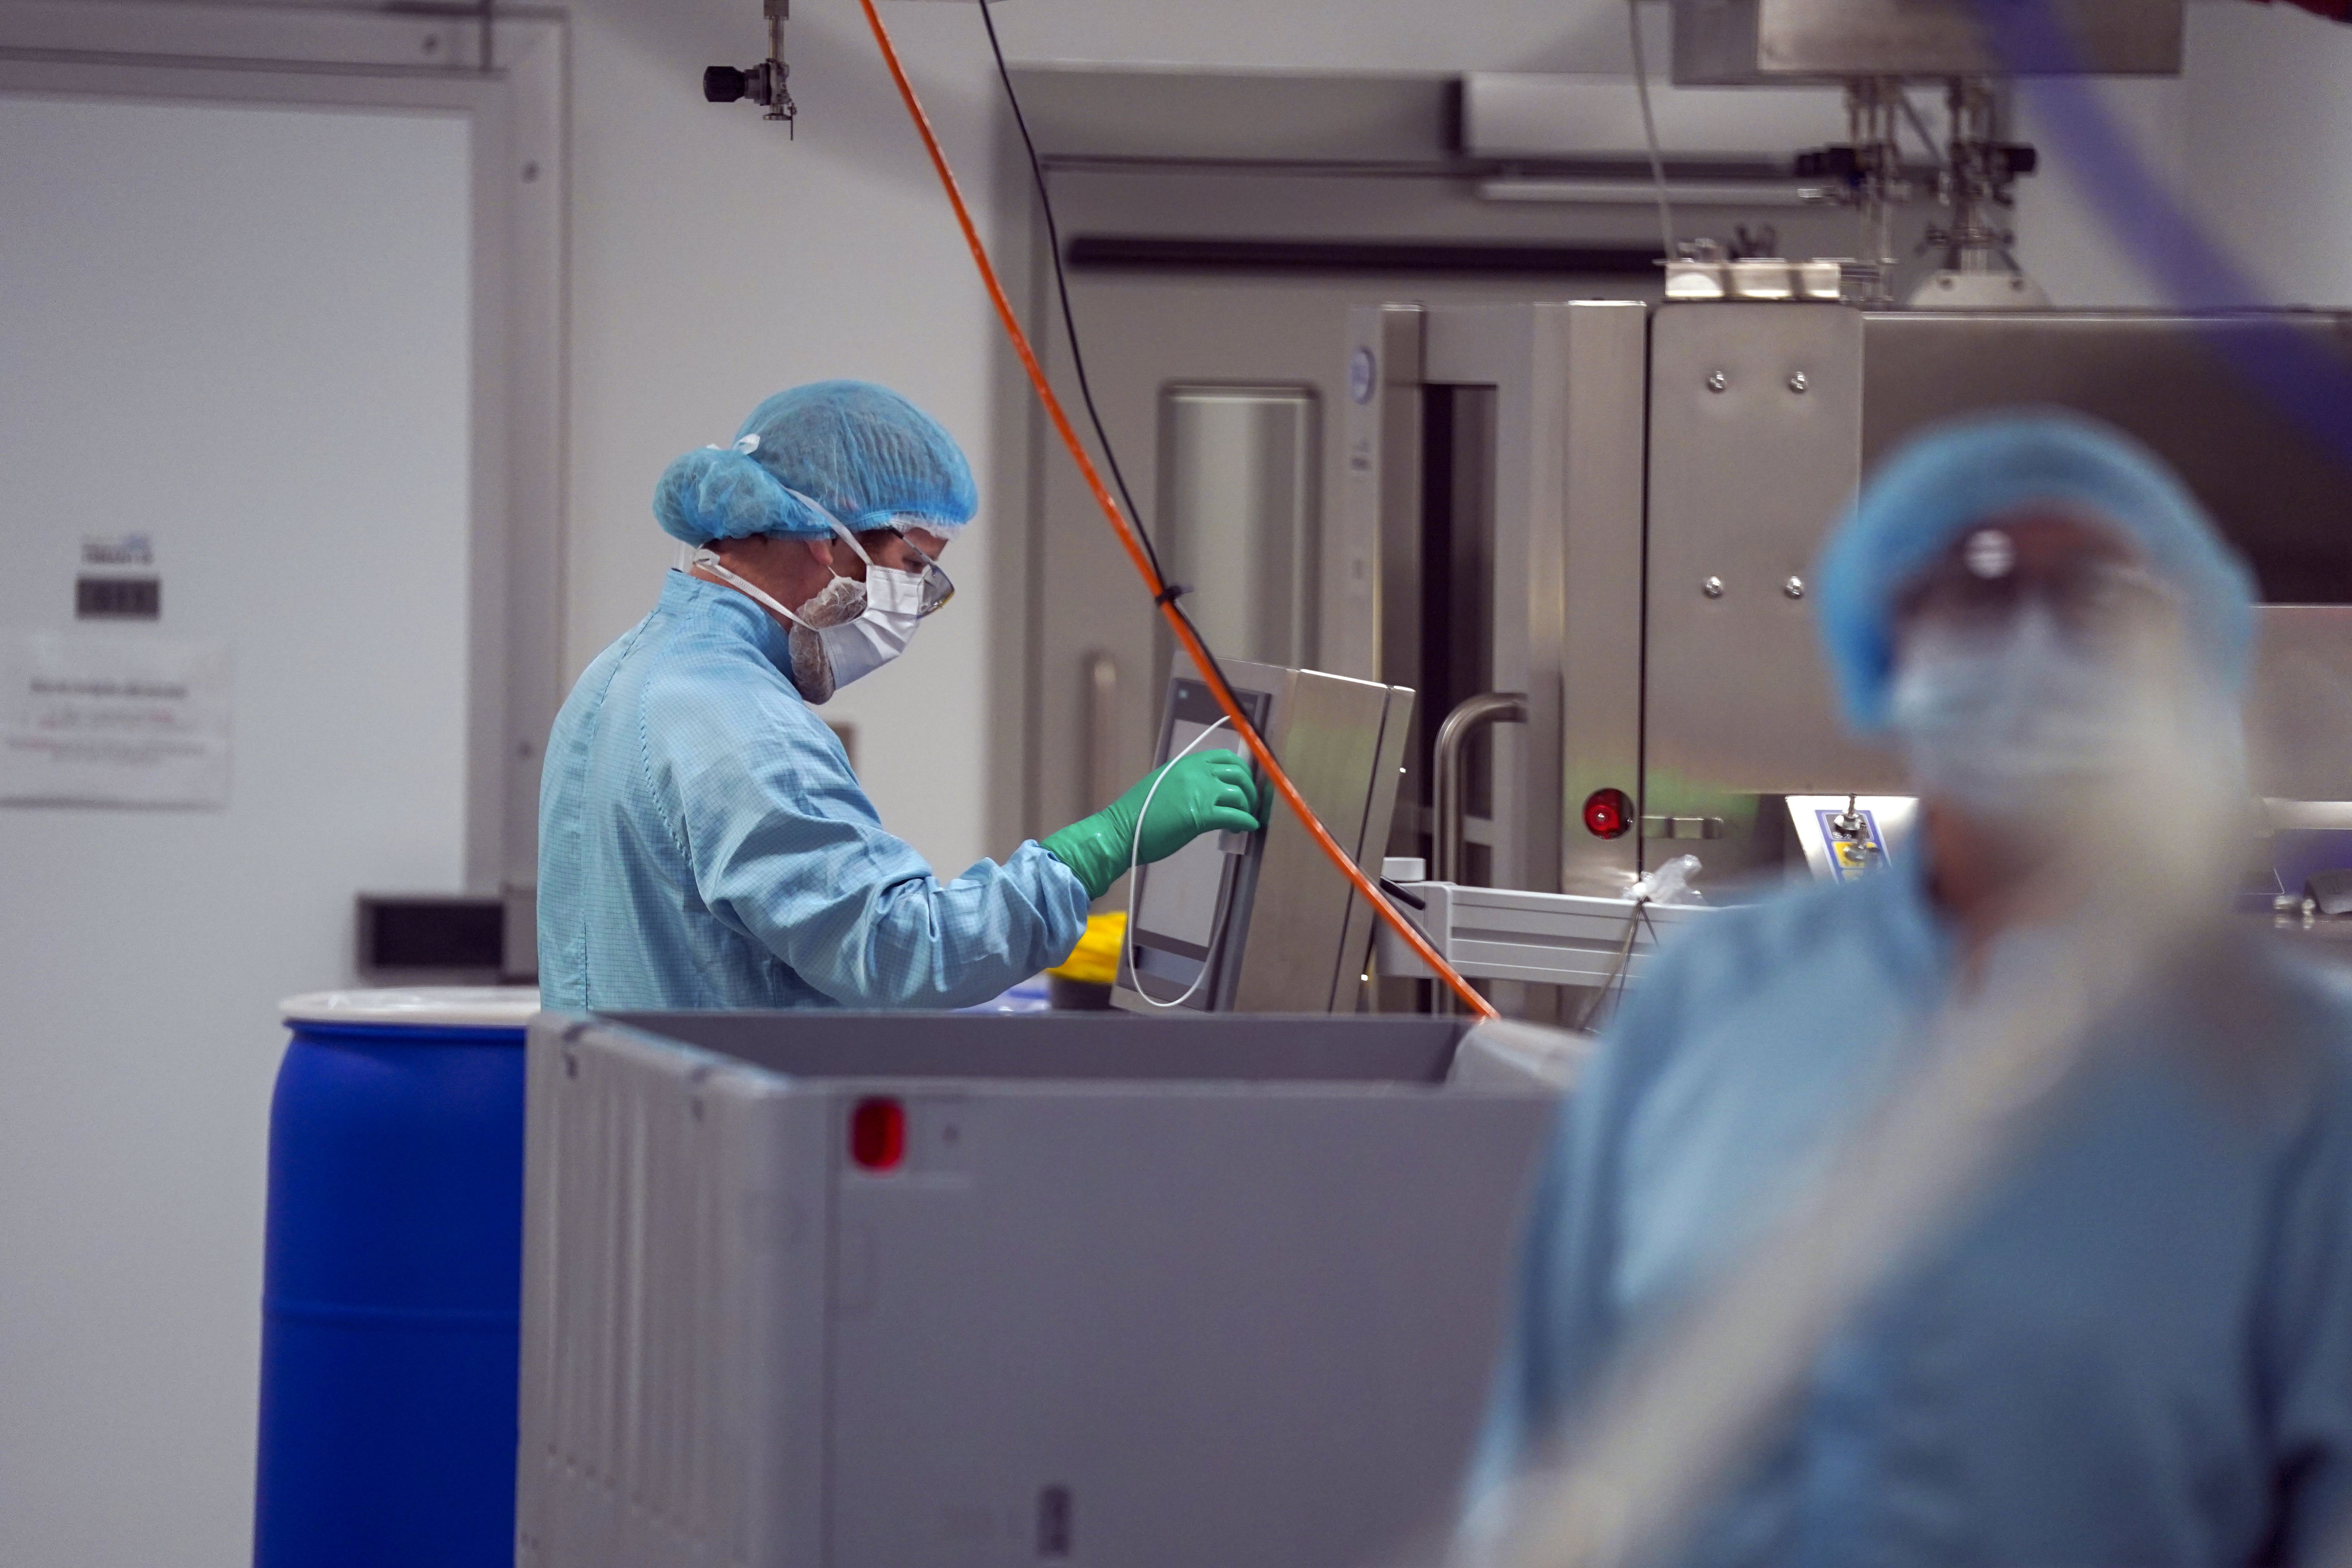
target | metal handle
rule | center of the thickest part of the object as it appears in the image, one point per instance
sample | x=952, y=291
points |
x=1681, y=828
x=1101, y=783
x=1446, y=772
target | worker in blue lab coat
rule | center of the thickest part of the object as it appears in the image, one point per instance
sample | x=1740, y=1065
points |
x=703, y=842
x=2133, y=1345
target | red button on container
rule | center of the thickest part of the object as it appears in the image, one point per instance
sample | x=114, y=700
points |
x=1608, y=812
x=878, y=1134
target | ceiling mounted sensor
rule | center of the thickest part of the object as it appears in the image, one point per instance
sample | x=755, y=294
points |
x=764, y=83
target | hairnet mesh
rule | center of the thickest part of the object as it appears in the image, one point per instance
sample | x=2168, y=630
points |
x=719, y=493
x=1961, y=475
x=859, y=451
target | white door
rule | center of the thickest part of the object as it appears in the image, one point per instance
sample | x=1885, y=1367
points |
x=243, y=333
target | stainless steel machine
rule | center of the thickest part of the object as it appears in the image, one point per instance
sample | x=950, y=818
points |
x=1607, y=510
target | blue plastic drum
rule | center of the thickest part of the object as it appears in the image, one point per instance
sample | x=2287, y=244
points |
x=392, y=1283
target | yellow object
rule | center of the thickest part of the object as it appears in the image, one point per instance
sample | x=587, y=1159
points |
x=1095, y=959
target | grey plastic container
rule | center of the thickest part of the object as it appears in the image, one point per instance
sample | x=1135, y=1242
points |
x=1214, y=1292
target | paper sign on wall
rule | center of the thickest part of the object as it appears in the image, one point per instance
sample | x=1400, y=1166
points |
x=94, y=719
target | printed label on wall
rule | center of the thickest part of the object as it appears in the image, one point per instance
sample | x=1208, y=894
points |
x=118, y=550
x=89, y=719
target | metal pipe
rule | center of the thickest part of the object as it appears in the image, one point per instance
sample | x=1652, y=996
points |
x=1871, y=118
x=1446, y=773
x=778, y=74
x=1977, y=182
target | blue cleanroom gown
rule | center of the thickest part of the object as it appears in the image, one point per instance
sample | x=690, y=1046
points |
x=704, y=843
x=2133, y=1349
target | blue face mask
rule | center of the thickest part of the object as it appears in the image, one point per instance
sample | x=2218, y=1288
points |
x=1994, y=718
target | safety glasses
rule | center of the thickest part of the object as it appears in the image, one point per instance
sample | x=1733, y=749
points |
x=2095, y=600
x=938, y=586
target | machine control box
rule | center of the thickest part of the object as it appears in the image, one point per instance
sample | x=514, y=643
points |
x=1264, y=922
x=1847, y=836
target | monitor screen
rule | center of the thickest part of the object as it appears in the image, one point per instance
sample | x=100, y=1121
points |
x=1188, y=904
x=1180, y=894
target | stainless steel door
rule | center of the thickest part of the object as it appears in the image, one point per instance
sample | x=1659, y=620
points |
x=1199, y=377
x=1237, y=515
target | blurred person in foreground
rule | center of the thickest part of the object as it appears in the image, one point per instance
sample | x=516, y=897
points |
x=2133, y=1343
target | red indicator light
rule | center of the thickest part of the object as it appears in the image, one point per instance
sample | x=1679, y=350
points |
x=1608, y=812
x=878, y=1134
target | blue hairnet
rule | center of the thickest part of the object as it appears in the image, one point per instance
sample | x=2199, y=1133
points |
x=1957, y=475
x=858, y=452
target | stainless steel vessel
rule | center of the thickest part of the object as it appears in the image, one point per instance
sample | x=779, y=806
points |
x=1614, y=509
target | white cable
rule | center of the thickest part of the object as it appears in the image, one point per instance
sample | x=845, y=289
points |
x=1650, y=130
x=1135, y=864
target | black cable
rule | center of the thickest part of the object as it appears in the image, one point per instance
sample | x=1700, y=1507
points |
x=1062, y=288
x=1400, y=896
x=1166, y=593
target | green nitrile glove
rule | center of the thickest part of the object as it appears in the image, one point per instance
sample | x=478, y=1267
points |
x=1207, y=792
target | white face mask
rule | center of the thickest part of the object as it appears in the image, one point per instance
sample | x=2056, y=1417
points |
x=2091, y=755
x=1996, y=718
x=881, y=631
x=848, y=629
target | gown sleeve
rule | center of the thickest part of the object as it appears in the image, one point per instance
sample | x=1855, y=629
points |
x=2307, y=1328
x=1563, y=1328
x=781, y=843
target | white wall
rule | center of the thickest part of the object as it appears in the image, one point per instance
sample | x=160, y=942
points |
x=2062, y=239
x=1329, y=35
x=213, y=315
x=2268, y=127
x=2254, y=142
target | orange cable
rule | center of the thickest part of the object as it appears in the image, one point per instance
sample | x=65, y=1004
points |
x=1126, y=531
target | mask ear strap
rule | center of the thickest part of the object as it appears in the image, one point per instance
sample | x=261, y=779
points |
x=851, y=540
x=832, y=521
x=710, y=563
